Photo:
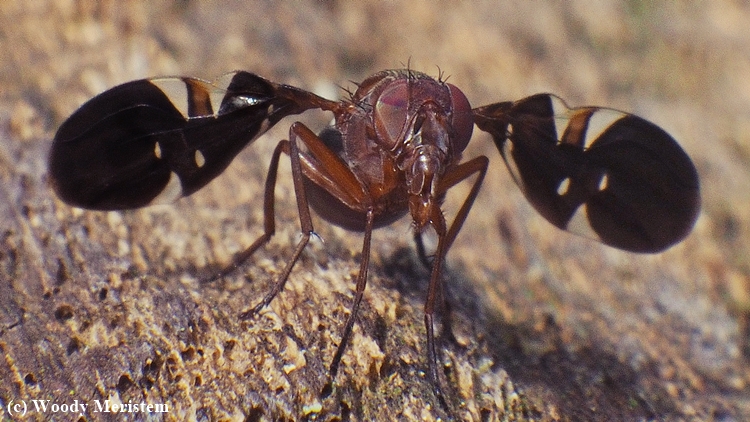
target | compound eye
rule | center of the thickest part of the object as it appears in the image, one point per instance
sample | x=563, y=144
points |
x=390, y=112
x=463, y=119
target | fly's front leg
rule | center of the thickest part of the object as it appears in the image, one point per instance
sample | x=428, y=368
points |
x=477, y=166
x=290, y=148
x=359, y=293
x=446, y=237
x=323, y=167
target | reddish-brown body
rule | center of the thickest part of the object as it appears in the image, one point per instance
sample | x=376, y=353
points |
x=399, y=133
x=394, y=149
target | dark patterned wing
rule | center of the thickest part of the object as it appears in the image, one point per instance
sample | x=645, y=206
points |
x=156, y=140
x=597, y=172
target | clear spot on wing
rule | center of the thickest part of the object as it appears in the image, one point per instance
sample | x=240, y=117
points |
x=171, y=192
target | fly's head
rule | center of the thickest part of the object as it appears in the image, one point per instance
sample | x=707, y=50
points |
x=425, y=124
